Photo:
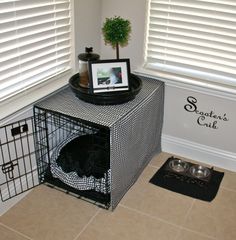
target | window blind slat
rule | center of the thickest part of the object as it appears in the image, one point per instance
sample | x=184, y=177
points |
x=183, y=70
x=175, y=55
x=30, y=57
x=216, y=46
x=34, y=72
x=194, y=65
x=39, y=46
x=38, y=40
x=29, y=64
x=32, y=24
x=197, y=28
x=35, y=78
x=192, y=18
x=33, y=31
x=35, y=42
x=19, y=6
x=194, y=36
x=205, y=36
x=220, y=2
x=195, y=6
x=195, y=42
x=12, y=17
x=212, y=52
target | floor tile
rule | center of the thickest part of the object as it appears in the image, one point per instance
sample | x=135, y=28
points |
x=217, y=218
x=200, y=222
x=126, y=224
x=229, y=180
x=146, y=212
x=188, y=235
x=225, y=199
x=7, y=234
x=156, y=201
x=48, y=214
x=159, y=159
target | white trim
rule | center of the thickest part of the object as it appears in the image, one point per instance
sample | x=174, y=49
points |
x=27, y=97
x=208, y=88
x=202, y=153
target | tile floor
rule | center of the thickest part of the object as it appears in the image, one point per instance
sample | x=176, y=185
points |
x=146, y=212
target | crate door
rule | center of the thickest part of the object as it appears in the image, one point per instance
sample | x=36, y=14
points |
x=18, y=165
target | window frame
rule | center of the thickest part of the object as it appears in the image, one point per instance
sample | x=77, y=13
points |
x=173, y=79
x=37, y=91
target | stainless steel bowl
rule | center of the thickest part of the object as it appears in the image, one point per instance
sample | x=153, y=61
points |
x=199, y=171
x=178, y=165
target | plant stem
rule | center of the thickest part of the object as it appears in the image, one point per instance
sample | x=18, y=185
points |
x=117, y=51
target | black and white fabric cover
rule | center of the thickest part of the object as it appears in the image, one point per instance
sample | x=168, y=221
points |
x=135, y=129
x=71, y=164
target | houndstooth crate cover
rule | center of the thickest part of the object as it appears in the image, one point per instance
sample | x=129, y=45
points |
x=135, y=129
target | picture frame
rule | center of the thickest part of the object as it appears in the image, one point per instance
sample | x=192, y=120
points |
x=110, y=75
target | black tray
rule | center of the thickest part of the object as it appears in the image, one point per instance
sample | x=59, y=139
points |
x=110, y=98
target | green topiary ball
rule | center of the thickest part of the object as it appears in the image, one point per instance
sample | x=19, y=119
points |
x=116, y=30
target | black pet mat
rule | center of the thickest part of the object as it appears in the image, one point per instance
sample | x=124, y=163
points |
x=206, y=192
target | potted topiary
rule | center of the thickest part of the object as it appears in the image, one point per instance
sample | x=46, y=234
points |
x=116, y=32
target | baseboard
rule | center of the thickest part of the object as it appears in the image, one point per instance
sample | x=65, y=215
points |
x=202, y=153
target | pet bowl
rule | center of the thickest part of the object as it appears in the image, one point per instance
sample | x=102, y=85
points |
x=199, y=171
x=178, y=165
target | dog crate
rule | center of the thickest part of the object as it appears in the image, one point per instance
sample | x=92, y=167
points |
x=57, y=150
x=93, y=152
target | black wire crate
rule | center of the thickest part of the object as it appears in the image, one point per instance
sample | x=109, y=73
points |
x=78, y=155
x=18, y=161
x=64, y=152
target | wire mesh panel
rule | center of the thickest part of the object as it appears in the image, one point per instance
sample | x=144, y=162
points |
x=78, y=155
x=18, y=168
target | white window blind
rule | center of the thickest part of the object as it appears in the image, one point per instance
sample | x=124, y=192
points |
x=193, y=38
x=34, y=42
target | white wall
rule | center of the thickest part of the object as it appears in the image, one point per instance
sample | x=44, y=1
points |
x=206, y=134
x=212, y=123
x=87, y=26
x=133, y=10
x=182, y=134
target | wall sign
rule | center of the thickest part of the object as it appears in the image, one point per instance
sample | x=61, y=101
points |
x=208, y=119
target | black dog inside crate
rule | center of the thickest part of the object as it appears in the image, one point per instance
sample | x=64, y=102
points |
x=62, y=151
x=78, y=158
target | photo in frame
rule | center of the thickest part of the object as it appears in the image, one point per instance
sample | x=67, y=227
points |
x=109, y=75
